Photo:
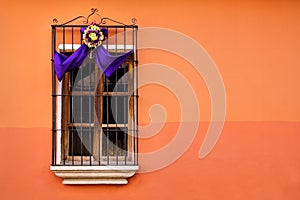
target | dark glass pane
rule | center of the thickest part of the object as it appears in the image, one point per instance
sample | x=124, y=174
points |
x=115, y=110
x=114, y=141
x=83, y=78
x=82, y=109
x=81, y=142
x=110, y=83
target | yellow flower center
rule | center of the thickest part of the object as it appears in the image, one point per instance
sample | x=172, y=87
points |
x=93, y=36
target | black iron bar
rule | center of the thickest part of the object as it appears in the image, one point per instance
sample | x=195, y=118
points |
x=53, y=99
x=72, y=39
x=63, y=104
x=136, y=96
x=107, y=120
x=64, y=39
x=101, y=26
x=124, y=38
x=116, y=115
x=81, y=110
x=71, y=101
x=116, y=41
x=125, y=110
x=99, y=129
x=124, y=150
x=90, y=114
x=107, y=40
x=133, y=98
x=71, y=120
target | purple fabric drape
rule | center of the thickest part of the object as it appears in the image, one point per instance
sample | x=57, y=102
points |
x=63, y=63
x=108, y=63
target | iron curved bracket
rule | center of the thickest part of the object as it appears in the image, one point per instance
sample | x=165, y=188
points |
x=102, y=21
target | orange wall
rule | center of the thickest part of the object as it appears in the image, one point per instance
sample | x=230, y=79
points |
x=255, y=45
x=251, y=161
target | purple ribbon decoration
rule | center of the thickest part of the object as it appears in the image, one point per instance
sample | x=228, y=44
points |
x=106, y=62
x=63, y=63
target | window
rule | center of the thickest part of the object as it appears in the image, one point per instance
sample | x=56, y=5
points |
x=94, y=137
x=98, y=116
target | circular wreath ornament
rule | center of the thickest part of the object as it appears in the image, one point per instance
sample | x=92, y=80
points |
x=93, y=36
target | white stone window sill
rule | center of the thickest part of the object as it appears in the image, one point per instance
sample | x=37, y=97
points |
x=94, y=174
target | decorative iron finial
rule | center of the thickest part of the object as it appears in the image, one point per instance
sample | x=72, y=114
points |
x=104, y=20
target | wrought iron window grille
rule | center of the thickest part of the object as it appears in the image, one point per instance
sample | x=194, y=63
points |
x=95, y=117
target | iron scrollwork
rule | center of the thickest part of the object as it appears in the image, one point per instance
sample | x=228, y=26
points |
x=102, y=20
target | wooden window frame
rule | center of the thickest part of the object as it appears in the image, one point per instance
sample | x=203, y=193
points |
x=98, y=129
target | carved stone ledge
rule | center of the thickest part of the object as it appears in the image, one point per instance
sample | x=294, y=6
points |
x=94, y=174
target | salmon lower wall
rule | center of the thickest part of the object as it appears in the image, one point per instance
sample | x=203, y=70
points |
x=251, y=160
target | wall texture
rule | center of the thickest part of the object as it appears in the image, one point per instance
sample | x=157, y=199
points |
x=255, y=46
